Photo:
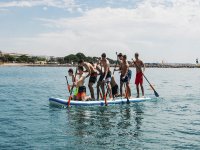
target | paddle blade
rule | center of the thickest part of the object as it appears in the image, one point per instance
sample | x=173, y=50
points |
x=156, y=94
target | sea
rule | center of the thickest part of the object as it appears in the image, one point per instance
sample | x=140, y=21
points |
x=28, y=121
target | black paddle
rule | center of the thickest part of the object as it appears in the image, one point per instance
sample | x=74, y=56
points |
x=155, y=93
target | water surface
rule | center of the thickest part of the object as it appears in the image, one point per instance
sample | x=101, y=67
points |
x=29, y=122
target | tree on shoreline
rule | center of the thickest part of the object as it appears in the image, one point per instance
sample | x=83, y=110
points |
x=71, y=58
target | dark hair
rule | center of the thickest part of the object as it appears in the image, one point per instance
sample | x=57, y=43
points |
x=80, y=61
x=80, y=68
x=70, y=70
x=91, y=63
x=136, y=54
x=124, y=56
x=103, y=55
x=119, y=55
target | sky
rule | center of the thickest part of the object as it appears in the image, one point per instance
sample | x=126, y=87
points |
x=159, y=30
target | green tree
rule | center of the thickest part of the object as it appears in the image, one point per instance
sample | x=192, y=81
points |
x=81, y=56
x=9, y=58
x=41, y=59
x=23, y=58
x=60, y=60
x=71, y=58
x=33, y=59
x=2, y=59
x=95, y=59
x=89, y=59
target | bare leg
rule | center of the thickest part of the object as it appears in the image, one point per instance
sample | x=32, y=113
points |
x=98, y=89
x=138, y=94
x=142, y=89
x=102, y=88
x=109, y=89
x=91, y=90
x=128, y=89
x=121, y=85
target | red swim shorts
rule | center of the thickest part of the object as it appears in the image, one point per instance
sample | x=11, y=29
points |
x=139, y=78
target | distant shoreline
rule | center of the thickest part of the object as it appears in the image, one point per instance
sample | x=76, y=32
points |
x=148, y=65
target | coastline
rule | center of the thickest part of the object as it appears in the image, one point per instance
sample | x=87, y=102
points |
x=147, y=65
x=32, y=65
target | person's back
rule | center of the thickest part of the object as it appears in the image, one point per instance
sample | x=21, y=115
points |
x=90, y=67
x=92, y=74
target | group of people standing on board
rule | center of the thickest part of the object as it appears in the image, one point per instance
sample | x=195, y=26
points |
x=106, y=83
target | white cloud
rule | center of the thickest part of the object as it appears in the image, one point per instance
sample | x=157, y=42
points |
x=31, y=3
x=158, y=31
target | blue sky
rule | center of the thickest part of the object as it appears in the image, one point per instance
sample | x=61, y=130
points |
x=160, y=30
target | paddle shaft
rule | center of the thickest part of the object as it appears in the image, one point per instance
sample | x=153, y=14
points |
x=68, y=86
x=115, y=65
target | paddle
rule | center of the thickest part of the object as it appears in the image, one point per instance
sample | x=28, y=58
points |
x=68, y=86
x=115, y=66
x=155, y=93
x=70, y=97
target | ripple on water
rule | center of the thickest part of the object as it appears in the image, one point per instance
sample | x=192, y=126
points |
x=29, y=122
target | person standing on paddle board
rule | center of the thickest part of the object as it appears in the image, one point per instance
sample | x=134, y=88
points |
x=120, y=60
x=106, y=76
x=91, y=73
x=100, y=81
x=139, y=74
x=124, y=78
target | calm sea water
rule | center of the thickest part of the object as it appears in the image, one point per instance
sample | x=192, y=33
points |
x=27, y=121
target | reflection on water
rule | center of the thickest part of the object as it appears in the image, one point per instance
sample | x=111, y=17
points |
x=102, y=124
